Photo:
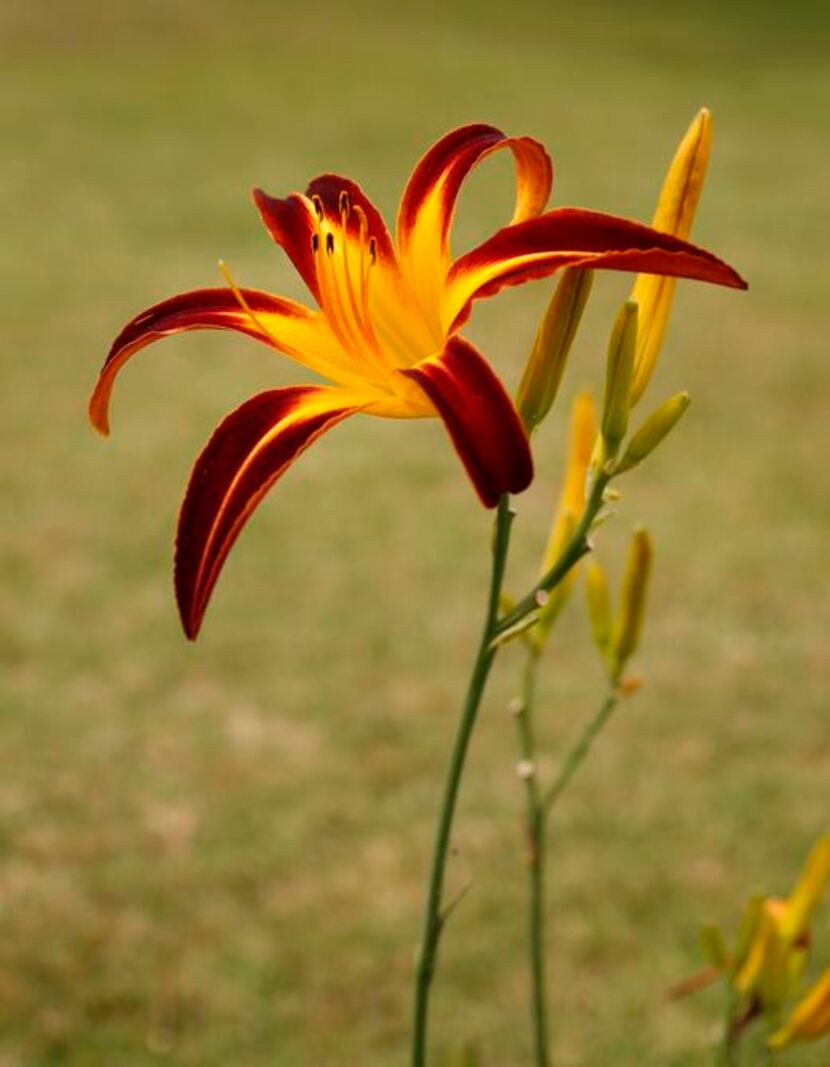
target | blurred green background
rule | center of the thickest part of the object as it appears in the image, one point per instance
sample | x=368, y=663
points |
x=215, y=854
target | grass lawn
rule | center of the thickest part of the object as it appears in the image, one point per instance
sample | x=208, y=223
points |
x=214, y=854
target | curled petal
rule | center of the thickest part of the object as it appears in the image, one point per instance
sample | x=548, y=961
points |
x=292, y=224
x=428, y=202
x=247, y=453
x=283, y=324
x=575, y=237
x=480, y=417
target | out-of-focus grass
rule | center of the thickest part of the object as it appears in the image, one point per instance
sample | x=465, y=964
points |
x=215, y=854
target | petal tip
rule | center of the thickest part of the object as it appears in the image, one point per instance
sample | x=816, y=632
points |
x=98, y=414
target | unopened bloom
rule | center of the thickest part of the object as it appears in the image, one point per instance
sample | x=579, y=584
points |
x=385, y=331
x=676, y=207
x=809, y=1019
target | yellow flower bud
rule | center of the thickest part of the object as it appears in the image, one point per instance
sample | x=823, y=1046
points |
x=798, y=914
x=618, y=372
x=657, y=426
x=543, y=373
x=571, y=503
x=629, y=621
x=599, y=606
x=675, y=212
x=809, y=1019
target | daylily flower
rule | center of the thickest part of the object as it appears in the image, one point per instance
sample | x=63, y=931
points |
x=385, y=332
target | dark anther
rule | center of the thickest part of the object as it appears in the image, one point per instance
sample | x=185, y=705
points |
x=343, y=202
x=373, y=249
x=315, y=242
x=329, y=243
x=318, y=205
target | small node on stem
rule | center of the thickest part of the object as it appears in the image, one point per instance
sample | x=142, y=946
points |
x=541, y=597
x=525, y=769
x=516, y=706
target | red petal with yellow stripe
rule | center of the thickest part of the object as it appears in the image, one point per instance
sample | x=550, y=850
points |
x=575, y=237
x=282, y=324
x=247, y=453
x=480, y=417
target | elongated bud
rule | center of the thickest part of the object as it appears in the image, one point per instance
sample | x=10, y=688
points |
x=675, y=213
x=571, y=504
x=657, y=426
x=808, y=892
x=546, y=365
x=618, y=374
x=714, y=947
x=629, y=621
x=599, y=606
x=809, y=1019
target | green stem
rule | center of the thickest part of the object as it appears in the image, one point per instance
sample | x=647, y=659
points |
x=434, y=915
x=728, y=1051
x=580, y=750
x=535, y=827
x=577, y=547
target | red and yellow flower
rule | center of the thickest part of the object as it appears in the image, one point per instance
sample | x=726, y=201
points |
x=385, y=332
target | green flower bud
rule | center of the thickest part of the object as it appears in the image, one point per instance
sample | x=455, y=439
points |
x=629, y=621
x=619, y=369
x=546, y=365
x=657, y=426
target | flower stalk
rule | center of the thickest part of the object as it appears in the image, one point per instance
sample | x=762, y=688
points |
x=435, y=915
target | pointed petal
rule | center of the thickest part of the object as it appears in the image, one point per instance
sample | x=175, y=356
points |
x=292, y=224
x=247, y=453
x=575, y=237
x=428, y=202
x=480, y=418
x=282, y=324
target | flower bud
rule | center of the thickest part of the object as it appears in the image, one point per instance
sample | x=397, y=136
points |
x=629, y=621
x=675, y=212
x=571, y=504
x=543, y=373
x=618, y=372
x=714, y=947
x=809, y=1019
x=599, y=606
x=657, y=426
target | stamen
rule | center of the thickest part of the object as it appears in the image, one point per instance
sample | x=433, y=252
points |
x=318, y=205
x=343, y=202
x=373, y=250
x=330, y=243
x=243, y=303
x=315, y=242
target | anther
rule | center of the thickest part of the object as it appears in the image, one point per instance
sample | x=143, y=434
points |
x=318, y=205
x=373, y=249
x=315, y=242
x=343, y=202
x=329, y=243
